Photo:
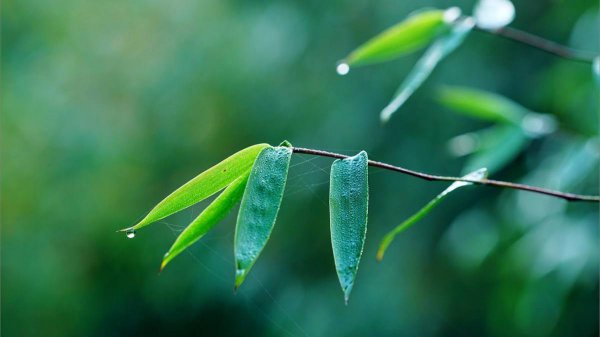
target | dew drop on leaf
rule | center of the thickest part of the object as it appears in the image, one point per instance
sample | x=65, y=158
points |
x=130, y=233
x=342, y=68
x=494, y=14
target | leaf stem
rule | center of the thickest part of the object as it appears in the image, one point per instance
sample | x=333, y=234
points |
x=430, y=177
x=542, y=44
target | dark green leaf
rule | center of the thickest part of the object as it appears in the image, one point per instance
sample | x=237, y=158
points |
x=203, y=186
x=405, y=37
x=214, y=213
x=389, y=237
x=348, y=209
x=441, y=48
x=259, y=207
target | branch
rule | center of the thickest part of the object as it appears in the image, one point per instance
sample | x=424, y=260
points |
x=430, y=177
x=542, y=44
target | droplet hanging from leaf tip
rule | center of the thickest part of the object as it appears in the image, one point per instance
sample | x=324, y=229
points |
x=342, y=68
x=130, y=233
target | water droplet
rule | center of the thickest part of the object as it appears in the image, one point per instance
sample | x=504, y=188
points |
x=130, y=233
x=451, y=14
x=494, y=14
x=343, y=68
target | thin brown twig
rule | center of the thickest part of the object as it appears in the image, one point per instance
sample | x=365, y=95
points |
x=431, y=177
x=542, y=44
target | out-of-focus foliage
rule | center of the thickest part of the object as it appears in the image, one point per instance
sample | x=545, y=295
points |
x=108, y=106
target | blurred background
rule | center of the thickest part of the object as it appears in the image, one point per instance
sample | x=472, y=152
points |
x=107, y=106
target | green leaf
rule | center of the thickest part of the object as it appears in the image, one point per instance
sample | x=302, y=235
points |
x=348, y=209
x=259, y=207
x=203, y=186
x=213, y=214
x=405, y=37
x=389, y=237
x=482, y=105
x=596, y=68
x=441, y=48
x=497, y=147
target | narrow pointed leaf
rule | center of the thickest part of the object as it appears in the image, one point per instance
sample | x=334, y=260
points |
x=213, y=214
x=441, y=48
x=203, y=186
x=348, y=210
x=405, y=37
x=389, y=237
x=259, y=207
x=482, y=105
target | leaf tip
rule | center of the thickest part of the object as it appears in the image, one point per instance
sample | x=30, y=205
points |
x=240, y=276
x=285, y=143
x=347, y=294
x=380, y=254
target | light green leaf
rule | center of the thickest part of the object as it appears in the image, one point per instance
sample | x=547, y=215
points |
x=213, y=214
x=441, y=48
x=497, y=147
x=482, y=105
x=259, y=207
x=405, y=37
x=389, y=237
x=348, y=210
x=203, y=186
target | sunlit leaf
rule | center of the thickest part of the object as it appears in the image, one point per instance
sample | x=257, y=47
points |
x=482, y=105
x=348, y=209
x=494, y=14
x=389, y=237
x=497, y=147
x=203, y=186
x=405, y=37
x=213, y=214
x=259, y=207
x=441, y=48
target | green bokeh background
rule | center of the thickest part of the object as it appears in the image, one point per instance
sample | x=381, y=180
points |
x=107, y=106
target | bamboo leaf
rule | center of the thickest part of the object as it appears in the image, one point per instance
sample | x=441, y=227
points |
x=405, y=37
x=389, y=237
x=441, y=48
x=213, y=214
x=259, y=207
x=348, y=210
x=202, y=186
x=482, y=105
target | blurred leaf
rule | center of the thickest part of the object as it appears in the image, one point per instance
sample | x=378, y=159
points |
x=482, y=105
x=405, y=37
x=348, y=209
x=441, y=48
x=497, y=147
x=389, y=237
x=596, y=68
x=203, y=186
x=259, y=207
x=214, y=213
x=494, y=14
